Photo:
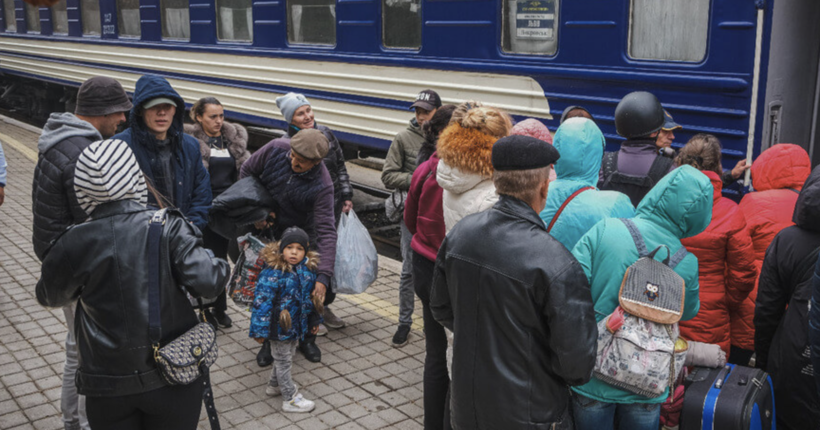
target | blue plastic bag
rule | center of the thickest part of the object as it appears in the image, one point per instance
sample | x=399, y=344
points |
x=357, y=263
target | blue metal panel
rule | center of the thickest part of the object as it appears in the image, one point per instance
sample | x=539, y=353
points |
x=75, y=25
x=270, y=24
x=150, y=20
x=203, y=21
x=20, y=16
x=108, y=12
x=359, y=26
x=46, y=26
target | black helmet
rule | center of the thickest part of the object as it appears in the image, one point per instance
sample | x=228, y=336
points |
x=638, y=114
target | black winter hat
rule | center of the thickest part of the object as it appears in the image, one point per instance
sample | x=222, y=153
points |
x=101, y=95
x=293, y=235
x=523, y=153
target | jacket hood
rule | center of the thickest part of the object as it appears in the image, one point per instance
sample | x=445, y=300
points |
x=150, y=87
x=415, y=127
x=270, y=255
x=467, y=150
x=581, y=145
x=784, y=165
x=61, y=126
x=807, y=209
x=681, y=202
x=455, y=180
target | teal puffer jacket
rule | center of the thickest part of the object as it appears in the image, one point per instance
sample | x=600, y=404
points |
x=581, y=145
x=679, y=206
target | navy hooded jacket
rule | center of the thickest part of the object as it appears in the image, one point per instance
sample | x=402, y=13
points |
x=192, y=186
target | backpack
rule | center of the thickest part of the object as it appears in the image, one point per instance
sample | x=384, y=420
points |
x=635, y=187
x=638, y=344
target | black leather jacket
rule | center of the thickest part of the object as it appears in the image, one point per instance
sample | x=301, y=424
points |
x=104, y=263
x=520, y=307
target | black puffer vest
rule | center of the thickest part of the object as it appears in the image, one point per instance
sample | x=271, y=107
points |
x=295, y=193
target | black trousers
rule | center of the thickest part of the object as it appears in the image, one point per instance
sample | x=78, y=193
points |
x=740, y=356
x=169, y=408
x=436, y=378
x=219, y=246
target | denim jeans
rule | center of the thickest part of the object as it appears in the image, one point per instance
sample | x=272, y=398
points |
x=406, y=294
x=283, y=351
x=591, y=414
x=72, y=404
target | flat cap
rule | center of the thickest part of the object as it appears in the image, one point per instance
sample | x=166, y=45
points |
x=523, y=153
x=310, y=143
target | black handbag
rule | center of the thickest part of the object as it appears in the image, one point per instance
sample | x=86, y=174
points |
x=186, y=358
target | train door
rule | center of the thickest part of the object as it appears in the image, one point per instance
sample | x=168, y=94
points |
x=792, y=106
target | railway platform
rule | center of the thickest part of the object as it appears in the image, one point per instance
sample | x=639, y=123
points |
x=361, y=383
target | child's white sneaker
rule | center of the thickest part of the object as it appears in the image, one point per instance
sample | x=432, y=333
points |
x=298, y=404
x=276, y=391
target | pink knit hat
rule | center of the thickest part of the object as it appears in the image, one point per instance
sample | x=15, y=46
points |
x=533, y=128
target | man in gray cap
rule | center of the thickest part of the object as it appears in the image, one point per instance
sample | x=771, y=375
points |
x=101, y=107
x=517, y=301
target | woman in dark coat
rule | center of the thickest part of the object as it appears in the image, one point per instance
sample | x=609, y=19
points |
x=224, y=147
x=781, y=313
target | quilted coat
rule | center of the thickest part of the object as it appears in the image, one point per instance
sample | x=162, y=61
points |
x=726, y=269
x=679, y=206
x=423, y=212
x=581, y=145
x=777, y=176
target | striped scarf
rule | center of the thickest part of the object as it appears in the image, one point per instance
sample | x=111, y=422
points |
x=107, y=171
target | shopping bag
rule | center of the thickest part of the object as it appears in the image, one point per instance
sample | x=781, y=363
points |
x=242, y=285
x=357, y=264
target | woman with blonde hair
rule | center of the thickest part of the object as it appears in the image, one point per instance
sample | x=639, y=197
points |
x=465, y=171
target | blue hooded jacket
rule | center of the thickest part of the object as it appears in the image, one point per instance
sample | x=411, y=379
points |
x=192, y=186
x=581, y=145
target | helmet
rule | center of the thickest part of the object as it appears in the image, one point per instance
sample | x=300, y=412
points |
x=638, y=114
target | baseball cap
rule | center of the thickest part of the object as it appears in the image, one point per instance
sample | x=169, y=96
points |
x=158, y=101
x=669, y=124
x=427, y=100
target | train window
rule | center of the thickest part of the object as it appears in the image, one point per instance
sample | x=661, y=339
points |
x=530, y=26
x=128, y=18
x=401, y=23
x=59, y=18
x=235, y=20
x=90, y=10
x=669, y=29
x=312, y=22
x=32, y=18
x=8, y=14
x=176, y=23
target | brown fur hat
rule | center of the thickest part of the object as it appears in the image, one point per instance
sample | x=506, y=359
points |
x=270, y=254
x=467, y=149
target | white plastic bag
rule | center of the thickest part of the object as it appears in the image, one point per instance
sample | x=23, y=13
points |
x=357, y=264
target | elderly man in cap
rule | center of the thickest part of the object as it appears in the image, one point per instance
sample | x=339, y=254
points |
x=101, y=107
x=169, y=158
x=517, y=301
x=300, y=185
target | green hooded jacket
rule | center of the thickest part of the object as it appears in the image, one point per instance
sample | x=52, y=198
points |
x=679, y=206
x=400, y=162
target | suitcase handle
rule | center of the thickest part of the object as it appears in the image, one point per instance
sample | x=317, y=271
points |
x=721, y=377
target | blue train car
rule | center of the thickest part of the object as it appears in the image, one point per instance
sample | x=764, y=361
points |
x=744, y=70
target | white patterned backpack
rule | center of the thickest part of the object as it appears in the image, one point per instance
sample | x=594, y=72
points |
x=637, y=342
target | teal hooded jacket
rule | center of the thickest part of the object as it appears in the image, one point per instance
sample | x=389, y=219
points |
x=581, y=145
x=679, y=206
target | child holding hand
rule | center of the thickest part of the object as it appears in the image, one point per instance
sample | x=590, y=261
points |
x=283, y=310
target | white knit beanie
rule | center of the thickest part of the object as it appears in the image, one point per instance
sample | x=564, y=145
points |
x=107, y=171
x=288, y=104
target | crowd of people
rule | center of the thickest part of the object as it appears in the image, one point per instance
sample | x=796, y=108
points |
x=516, y=241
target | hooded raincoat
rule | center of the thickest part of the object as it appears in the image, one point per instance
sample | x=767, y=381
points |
x=581, y=145
x=191, y=183
x=777, y=177
x=726, y=269
x=679, y=206
x=781, y=316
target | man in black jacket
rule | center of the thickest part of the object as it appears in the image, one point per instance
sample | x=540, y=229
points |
x=101, y=107
x=517, y=302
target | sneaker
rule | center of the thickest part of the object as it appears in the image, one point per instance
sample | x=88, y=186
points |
x=276, y=391
x=298, y=404
x=331, y=320
x=400, y=338
x=322, y=330
x=222, y=319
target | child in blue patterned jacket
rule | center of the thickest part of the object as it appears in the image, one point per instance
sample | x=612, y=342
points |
x=283, y=310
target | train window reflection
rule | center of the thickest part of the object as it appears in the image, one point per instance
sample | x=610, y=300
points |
x=128, y=18
x=530, y=26
x=176, y=23
x=669, y=29
x=401, y=23
x=32, y=18
x=234, y=20
x=90, y=10
x=8, y=14
x=312, y=22
x=59, y=18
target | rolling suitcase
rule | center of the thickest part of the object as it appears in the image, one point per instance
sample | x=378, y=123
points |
x=728, y=398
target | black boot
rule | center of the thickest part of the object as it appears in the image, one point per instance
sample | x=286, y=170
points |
x=310, y=350
x=264, y=357
x=222, y=318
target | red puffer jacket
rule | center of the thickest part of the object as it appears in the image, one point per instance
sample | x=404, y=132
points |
x=726, y=269
x=423, y=212
x=777, y=176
